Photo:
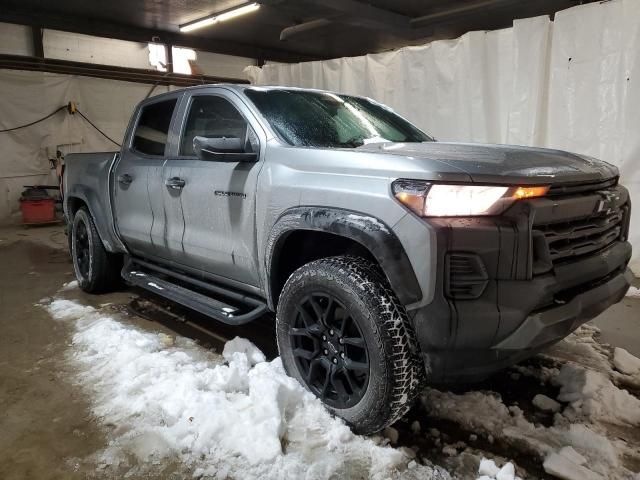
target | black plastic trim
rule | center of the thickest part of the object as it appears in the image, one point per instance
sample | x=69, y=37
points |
x=368, y=231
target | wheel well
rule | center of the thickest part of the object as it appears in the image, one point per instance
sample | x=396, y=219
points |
x=303, y=246
x=73, y=205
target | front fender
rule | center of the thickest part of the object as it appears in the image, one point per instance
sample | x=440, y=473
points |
x=368, y=231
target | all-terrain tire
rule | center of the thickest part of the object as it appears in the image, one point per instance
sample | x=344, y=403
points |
x=396, y=372
x=97, y=270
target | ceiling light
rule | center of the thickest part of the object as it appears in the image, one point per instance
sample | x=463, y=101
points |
x=220, y=17
x=205, y=22
x=236, y=12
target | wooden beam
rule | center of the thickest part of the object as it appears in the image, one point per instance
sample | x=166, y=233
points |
x=36, y=35
x=111, y=72
x=169, y=58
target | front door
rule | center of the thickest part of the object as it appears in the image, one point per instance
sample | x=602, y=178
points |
x=139, y=161
x=218, y=197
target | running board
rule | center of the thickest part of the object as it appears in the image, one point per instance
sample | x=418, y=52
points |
x=208, y=306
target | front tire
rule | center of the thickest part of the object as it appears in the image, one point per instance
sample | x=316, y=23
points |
x=96, y=270
x=344, y=335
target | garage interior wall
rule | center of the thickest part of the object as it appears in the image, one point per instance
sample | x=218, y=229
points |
x=27, y=96
x=572, y=84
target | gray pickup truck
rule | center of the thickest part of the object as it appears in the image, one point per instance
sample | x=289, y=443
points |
x=388, y=257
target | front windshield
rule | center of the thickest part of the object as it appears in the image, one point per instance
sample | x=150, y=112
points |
x=321, y=119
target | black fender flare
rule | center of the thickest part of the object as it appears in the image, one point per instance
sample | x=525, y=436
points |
x=100, y=215
x=370, y=232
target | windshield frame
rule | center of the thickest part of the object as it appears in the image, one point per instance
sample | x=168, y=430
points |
x=270, y=122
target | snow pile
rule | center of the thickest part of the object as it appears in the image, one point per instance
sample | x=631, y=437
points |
x=486, y=415
x=488, y=470
x=235, y=416
x=592, y=432
x=567, y=464
x=594, y=395
x=625, y=362
x=69, y=286
x=545, y=403
x=633, y=292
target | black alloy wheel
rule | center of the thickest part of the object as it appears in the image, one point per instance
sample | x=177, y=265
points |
x=82, y=249
x=330, y=350
x=96, y=269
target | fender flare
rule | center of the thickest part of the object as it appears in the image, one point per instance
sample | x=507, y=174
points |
x=100, y=217
x=370, y=232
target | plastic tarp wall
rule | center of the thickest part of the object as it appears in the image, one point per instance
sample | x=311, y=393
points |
x=572, y=84
x=28, y=96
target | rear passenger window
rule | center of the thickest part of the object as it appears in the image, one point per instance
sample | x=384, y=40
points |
x=212, y=117
x=152, y=131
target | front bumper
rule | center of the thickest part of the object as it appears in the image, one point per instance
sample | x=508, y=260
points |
x=540, y=328
x=510, y=300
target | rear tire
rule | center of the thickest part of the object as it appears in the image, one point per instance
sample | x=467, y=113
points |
x=343, y=334
x=96, y=270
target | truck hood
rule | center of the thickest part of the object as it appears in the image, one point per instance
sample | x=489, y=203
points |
x=503, y=163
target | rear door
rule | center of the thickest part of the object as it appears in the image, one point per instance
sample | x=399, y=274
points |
x=218, y=197
x=141, y=160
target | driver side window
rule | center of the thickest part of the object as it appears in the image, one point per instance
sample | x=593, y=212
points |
x=214, y=117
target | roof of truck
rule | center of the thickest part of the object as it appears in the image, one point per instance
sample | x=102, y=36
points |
x=241, y=88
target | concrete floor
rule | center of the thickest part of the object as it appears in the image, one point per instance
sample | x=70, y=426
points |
x=46, y=427
x=620, y=325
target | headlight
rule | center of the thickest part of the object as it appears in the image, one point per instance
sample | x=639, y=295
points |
x=440, y=200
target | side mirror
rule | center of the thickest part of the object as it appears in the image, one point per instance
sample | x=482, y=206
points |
x=222, y=149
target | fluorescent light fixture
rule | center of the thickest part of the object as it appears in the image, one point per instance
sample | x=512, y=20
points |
x=220, y=17
x=236, y=12
x=205, y=22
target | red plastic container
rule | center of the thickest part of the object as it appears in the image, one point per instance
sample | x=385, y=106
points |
x=38, y=211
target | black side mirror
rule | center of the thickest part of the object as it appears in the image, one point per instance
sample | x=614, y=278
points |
x=223, y=149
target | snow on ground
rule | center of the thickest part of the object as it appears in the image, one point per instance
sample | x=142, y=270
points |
x=488, y=470
x=594, y=436
x=169, y=403
x=172, y=407
x=625, y=362
x=633, y=292
x=69, y=286
x=592, y=394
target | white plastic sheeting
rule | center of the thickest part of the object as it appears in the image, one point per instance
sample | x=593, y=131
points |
x=572, y=84
x=28, y=96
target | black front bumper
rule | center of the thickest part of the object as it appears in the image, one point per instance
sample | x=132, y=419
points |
x=499, y=296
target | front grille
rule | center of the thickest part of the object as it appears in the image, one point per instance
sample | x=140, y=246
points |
x=581, y=187
x=571, y=239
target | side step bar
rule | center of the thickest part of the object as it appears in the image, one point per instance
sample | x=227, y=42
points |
x=134, y=273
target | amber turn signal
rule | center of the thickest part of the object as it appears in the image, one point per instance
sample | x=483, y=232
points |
x=414, y=202
x=530, y=192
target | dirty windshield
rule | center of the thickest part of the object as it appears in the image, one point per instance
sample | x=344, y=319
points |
x=321, y=119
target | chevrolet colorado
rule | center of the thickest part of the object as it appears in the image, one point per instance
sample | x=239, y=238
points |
x=388, y=257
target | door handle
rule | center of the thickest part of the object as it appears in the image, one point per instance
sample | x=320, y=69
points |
x=125, y=179
x=175, y=182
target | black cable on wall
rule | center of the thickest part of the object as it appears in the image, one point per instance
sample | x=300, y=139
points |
x=72, y=109
x=35, y=121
